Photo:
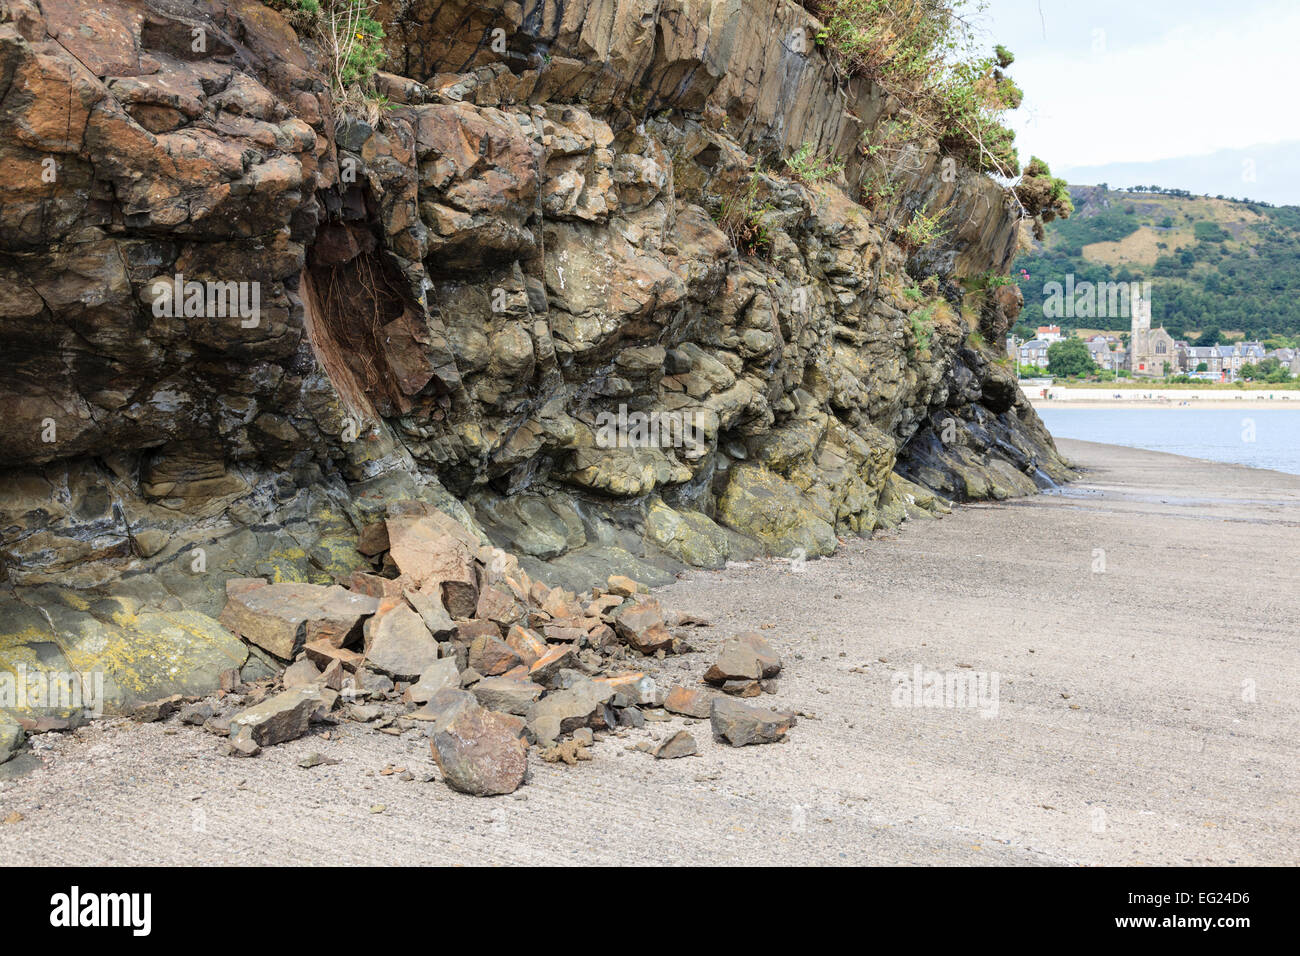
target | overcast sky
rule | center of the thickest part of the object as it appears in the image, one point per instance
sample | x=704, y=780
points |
x=1111, y=81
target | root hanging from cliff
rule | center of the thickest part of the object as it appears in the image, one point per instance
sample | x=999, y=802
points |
x=351, y=303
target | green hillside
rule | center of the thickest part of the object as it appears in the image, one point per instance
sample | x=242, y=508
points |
x=1213, y=264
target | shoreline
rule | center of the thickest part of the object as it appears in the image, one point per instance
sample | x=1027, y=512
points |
x=1121, y=730
x=1173, y=404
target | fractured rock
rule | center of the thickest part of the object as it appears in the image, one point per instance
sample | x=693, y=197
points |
x=431, y=557
x=280, y=618
x=398, y=644
x=479, y=751
x=680, y=744
x=508, y=694
x=745, y=657
x=740, y=724
x=441, y=673
x=688, y=703
x=641, y=625
x=491, y=656
x=277, y=719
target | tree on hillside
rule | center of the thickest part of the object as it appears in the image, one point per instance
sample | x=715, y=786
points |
x=1070, y=357
x=1209, y=336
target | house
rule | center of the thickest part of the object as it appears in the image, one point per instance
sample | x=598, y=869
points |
x=1049, y=334
x=1233, y=357
x=1034, y=352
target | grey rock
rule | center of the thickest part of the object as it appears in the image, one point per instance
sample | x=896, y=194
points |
x=740, y=724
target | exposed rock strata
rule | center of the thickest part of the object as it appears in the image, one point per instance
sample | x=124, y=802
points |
x=453, y=303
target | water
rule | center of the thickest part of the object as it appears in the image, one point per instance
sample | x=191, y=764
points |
x=1219, y=434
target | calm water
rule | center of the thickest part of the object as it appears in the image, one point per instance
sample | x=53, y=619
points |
x=1219, y=434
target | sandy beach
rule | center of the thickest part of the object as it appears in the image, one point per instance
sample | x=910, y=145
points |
x=1142, y=626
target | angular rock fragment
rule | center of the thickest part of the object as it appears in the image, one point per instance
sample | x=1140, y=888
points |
x=300, y=674
x=688, y=703
x=431, y=611
x=441, y=673
x=323, y=653
x=564, y=711
x=740, y=724
x=526, y=644
x=280, y=618
x=430, y=557
x=507, y=694
x=680, y=744
x=155, y=710
x=622, y=586
x=491, y=656
x=398, y=644
x=745, y=657
x=277, y=719
x=641, y=625
x=479, y=751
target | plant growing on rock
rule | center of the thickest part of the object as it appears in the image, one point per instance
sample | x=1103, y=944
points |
x=922, y=229
x=740, y=216
x=807, y=167
x=349, y=37
x=919, y=52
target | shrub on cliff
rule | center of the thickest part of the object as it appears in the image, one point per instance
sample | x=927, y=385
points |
x=917, y=50
x=350, y=39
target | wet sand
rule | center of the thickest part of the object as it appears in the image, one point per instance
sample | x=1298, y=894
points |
x=1143, y=626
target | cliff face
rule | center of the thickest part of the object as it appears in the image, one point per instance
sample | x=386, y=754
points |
x=560, y=285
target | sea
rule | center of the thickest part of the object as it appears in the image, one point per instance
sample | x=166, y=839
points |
x=1258, y=437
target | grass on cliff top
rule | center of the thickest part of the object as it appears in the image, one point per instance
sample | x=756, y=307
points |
x=920, y=51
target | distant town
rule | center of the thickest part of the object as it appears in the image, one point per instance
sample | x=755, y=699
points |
x=1148, y=353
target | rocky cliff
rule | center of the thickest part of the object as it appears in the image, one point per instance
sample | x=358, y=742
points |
x=561, y=280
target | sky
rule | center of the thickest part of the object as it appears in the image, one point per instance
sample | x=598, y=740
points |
x=1135, y=81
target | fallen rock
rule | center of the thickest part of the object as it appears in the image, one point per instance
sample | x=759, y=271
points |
x=563, y=711
x=641, y=625
x=680, y=744
x=688, y=703
x=441, y=673
x=398, y=644
x=479, y=751
x=745, y=657
x=740, y=724
x=196, y=715
x=431, y=611
x=491, y=656
x=547, y=667
x=155, y=710
x=639, y=689
x=323, y=653
x=315, y=759
x=300, y=674
x=431, y=557
x=743, y=688
x=277, y=719
x=507, y=694
x=281, y=618
x=623, y=586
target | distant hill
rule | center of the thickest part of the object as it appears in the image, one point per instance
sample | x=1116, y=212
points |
x=1212, y=263
x=1265, y=172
